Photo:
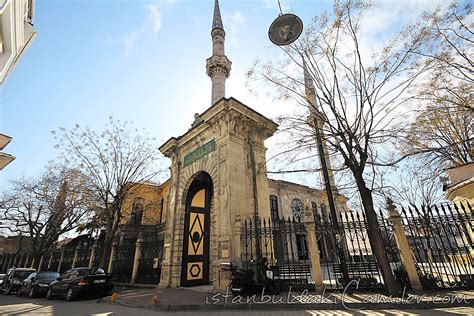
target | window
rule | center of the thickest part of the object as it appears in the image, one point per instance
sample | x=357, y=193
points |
x=161, y=210
x=137, y=212
x=297, y=208
x=314, y=207
x=66, y=274
x=274, y=207
x=33, y=275
x=302, y=246
x=324, y=213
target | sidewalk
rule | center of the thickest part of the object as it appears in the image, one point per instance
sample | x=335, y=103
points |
x=202, y=298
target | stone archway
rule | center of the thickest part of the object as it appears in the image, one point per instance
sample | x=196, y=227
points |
x=195, y=264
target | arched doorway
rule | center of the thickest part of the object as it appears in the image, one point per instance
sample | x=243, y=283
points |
x=195, y=263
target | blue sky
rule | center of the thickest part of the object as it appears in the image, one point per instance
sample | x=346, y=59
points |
x=142, y=61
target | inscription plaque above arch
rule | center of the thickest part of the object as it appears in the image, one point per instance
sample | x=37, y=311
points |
x=199, y=153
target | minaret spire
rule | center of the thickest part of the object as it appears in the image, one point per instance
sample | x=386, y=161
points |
x=217, y=20
x=316, y=119
x=218, y=65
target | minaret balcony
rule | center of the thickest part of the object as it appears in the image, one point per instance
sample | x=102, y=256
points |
x=218, y=64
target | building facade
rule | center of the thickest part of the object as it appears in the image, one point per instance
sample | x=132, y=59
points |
x=5, y=158
x=16, y=32
x=218, y=180
x=461, y=183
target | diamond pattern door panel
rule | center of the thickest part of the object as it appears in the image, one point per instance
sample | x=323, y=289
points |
x=195, y=267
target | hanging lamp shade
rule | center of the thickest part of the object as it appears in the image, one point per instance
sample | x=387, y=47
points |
x=285, y=29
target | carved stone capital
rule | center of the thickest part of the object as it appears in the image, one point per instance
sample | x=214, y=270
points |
x=218, y=64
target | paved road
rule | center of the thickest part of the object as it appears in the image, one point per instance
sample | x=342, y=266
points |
x=13, y=305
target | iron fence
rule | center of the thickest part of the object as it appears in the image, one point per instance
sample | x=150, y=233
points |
x=68, y=257
x=84, y=248
x=54, y=264
x=123, y=262
x=284, y=244
x=361, y=264
x=149, y=264
x=441, y=238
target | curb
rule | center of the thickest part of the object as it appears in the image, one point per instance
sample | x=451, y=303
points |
x=135, y=286
x=296, y=306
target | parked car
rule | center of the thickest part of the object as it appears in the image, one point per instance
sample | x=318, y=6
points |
x=81, y=282
x=37, y=284
x=14, y=278
x=1, y=279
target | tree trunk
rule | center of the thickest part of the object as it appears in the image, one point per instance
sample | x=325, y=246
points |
x=375, y=237
x=107, y=246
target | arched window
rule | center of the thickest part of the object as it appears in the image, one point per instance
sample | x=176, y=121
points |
x=274, y=207
x=297, y=209
x=324, y=214
x=161, y=210
x=314, y=207
x=137, y=212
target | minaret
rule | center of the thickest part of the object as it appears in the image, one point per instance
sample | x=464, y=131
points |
x=315, y=117
x=218, y=65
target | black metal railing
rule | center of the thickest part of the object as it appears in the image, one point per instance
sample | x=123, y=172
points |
x=123, y=262
x=68, y=257
x=360, y=262
x=441, y=238
x=284, y=244
x=149, y=264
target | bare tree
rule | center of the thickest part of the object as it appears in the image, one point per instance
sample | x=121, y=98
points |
x=442, y=136
x=357, y=103
x=110, y=160
x=44, y=209
x=449, y=37
x=412, y=182
x=443, y=130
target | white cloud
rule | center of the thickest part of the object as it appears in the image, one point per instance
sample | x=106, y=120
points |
x=153, y=20
x=234, y=23
x=385, y=19
x=193, y=16
x=273, y=4
x=155, y=15
x=130, y=38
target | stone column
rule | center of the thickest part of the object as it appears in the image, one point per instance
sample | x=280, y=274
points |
x=5, y=262
x=313, y=251
x=112, y=255
x=40, y=263
x=10, y=262
x=60, y=260
x=76, y=254
x=14, y=259
x=18, y=264
x=26, y=261
x=92, y=257
x=50, y=259
x=136, y=260
x=5, y=258
x=403, y=246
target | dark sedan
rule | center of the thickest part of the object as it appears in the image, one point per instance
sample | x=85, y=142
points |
x=14, y=278
x=81, y=282
x=37, y=284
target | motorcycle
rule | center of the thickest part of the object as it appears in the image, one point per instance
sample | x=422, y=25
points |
x=246, y=282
